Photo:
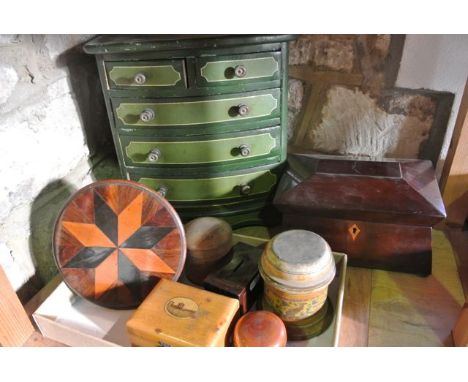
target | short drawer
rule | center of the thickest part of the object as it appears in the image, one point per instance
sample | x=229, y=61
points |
x=197, y=111
x=216, y=188
x=145, y=74
x=238, y=69
x=226, y=148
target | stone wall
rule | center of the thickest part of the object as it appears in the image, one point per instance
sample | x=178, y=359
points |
x=52, y=121
x=343, y=100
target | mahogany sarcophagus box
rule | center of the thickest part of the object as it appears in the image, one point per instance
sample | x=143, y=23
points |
x=380, y=213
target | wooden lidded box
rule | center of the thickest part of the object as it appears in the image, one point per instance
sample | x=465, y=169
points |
x=380, y=213
x=240, y=277
x=176, y=314
x=209, y=241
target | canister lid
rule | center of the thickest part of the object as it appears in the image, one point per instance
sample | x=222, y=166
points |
x=298, y=259
x=260, y=328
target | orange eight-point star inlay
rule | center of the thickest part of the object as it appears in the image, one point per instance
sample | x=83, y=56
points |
x=115, y=239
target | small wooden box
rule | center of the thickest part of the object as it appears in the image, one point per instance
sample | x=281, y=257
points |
x=176, y=314
x=240, y=277
x=380, y=213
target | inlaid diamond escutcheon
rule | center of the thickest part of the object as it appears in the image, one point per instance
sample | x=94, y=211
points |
x=354, y=231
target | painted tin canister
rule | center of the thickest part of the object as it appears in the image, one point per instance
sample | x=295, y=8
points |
x=297, y=266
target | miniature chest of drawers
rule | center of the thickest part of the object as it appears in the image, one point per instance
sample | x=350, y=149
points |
x=203, y=119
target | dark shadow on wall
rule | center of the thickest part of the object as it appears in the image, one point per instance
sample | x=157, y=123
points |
x=44, y=212
x=84, y=81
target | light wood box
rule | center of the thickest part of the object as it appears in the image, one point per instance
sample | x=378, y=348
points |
x=176, y=314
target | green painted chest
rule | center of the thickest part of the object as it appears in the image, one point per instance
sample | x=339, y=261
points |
x=203, y=119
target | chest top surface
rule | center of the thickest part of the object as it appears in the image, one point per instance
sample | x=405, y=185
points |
x=141, y=43
x=403, y=191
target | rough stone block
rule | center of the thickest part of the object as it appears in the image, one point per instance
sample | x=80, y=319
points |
x=57, y=44
x=15, y=274
x=300, y=51
x=324, y=52
x=373, y=53
x=292, y=122
x=9, y=79
x=50, y=100
x=334, y=55
x=9, y=39
x=421, y=107
x=295, y=94
x=37, y=143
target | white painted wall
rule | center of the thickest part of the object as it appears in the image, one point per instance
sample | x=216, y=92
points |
x=436, y=62
x=42, y=141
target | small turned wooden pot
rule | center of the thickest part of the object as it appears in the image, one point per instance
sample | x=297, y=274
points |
x=209, y=241
x=260, y=329
x=297, y=266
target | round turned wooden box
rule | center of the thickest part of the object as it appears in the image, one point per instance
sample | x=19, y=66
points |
x=297, y=266
x=260, y=329
x=209, y=240
x=115, y=239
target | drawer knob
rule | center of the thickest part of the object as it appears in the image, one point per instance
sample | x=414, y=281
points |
x=162, y=190
x=240, y=71
x=139, y=78
x=147, y=115
x=243, y=110
x=244, y=150
x=154, y=155
x=245, y=189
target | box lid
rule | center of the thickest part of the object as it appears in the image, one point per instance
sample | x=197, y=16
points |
x=297, y=259
x=176, y=314
x=241, y=270
x=400, y=192
x=114, y=239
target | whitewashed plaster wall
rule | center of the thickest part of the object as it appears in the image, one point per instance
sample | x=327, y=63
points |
x=43, y=144
x=436, y=62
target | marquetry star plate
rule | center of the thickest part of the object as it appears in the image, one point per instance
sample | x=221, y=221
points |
x=115, y=239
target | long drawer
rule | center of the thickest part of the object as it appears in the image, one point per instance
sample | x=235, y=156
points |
x=241, y=186
x=193, y=112
x=234, y=148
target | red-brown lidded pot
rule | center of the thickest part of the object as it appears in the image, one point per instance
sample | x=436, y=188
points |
x=260, y=329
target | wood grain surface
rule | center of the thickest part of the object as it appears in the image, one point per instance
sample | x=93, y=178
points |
x=15, y=326
x=115, y=239
x=459, y=241
x=176, y=314
x=356, y=305
x=409, y=310
x=379, y=213
x=454, y=178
